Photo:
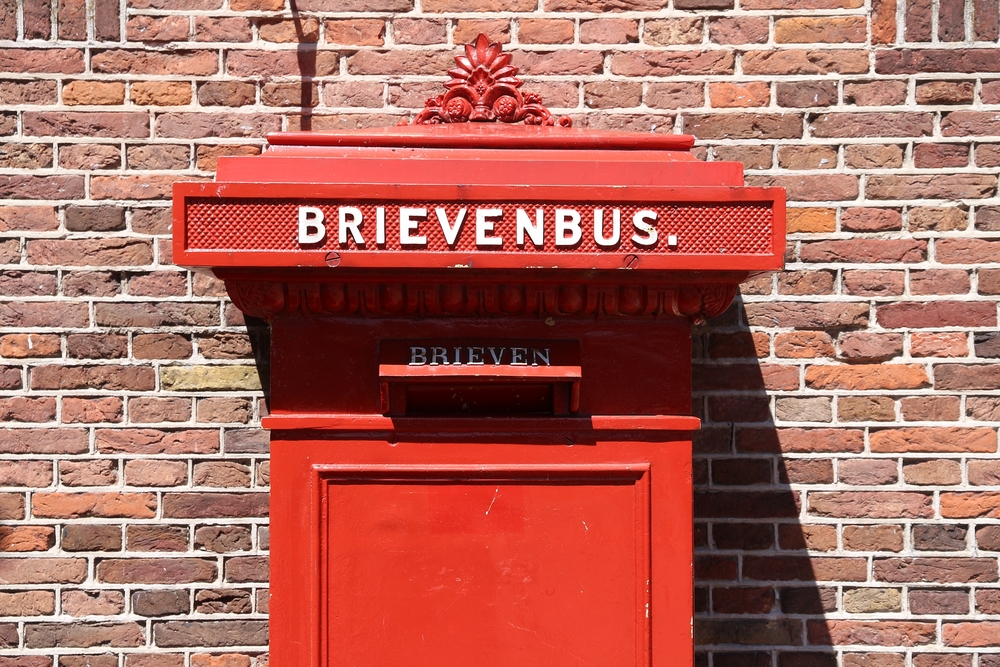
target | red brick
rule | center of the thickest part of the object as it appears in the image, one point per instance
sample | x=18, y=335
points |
x=23, y=409
x=302, y=30
x=107, y=505
x=938, y=186
x=986, y=20
x=754, y=94
x=154, y=441
x=930, y=408
x=174, y=63
x=809, y=30
x=42, y=61
x=935, y=570
x=871, y=633
x=157, y=29
x=467, y=30
x=934, y=440
x=671, y=63
x=800, y=440
x=883, y=21
x=28, y=92
x=924, y=61
x=951, y=20
x=939, y=345
x=865, y=250
x=743, y=600
x=824, y=187
x=793, y=61
x=281, y=63
x=741, y=30
x=42, y=570
x=155, y=570
x=24, y=186
x=148, y=472
x=612, y=94
x=934, y=314
x=92, y=410
x=945, y=92
x=907, y=124
x=25, y=473
x=27, y=538
x=603, y=31
x=970, y=505
x=862, y=377
x=357, y=32
x=222, y=29
x=424, y=31
x=965, y=123
x=982, y=633
x=218, y=505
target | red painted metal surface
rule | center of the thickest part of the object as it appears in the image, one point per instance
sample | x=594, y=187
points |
x=465, y=552
x=490, y=227
x=480, y=393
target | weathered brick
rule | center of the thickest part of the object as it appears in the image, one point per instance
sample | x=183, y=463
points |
x=203, y=505
x=174, y=63
x=154, y=441
x=42, y=570
x=795, y=61
x=92, y=603
x=210, y=633
x=873, y=156
x=935, y=570
x=871, y=633
x=860, y=377
x=808, y=30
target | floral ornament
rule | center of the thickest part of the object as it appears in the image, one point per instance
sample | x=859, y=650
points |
x=484, y=88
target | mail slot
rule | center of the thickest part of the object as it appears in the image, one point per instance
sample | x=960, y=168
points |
x=480, y=375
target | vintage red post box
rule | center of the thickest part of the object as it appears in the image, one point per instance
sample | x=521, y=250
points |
x=480, y=376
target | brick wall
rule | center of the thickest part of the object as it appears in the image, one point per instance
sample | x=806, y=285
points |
x=848, y=488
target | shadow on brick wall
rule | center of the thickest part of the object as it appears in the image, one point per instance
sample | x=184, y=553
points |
x=305, y=54
x=757, y=600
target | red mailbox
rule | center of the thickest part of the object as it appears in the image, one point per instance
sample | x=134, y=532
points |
x=480, y=375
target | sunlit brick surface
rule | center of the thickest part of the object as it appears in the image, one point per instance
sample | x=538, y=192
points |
x=847, y=481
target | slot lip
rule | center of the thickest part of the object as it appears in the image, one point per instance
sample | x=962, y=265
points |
x=423, y=373
x=477, y=424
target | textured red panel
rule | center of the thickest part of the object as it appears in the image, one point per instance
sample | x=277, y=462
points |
x=271, y=224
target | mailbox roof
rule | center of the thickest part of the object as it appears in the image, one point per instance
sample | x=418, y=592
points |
x=486, y=135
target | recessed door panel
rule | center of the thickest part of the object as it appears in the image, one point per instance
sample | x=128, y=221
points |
x=540, y=566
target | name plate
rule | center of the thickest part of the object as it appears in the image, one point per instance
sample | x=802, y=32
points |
x=472, y=353
x=268, y=224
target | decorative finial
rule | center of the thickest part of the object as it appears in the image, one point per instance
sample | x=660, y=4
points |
x=484, y=88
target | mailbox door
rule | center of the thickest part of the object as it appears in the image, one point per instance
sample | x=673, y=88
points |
x=506, y=550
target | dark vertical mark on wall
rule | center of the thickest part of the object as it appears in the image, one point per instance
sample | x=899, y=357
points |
x=306, y=55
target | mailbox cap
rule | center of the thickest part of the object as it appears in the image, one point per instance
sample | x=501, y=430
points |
x=486, y=135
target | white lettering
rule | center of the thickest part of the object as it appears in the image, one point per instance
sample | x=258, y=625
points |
x=567, y=227
x=484, y=225
x=497, y=358
x=409, y=219
x=641, y=222
x=616, y=227
x=418, y=356
x=537, y=354
x=450, y=231
x=439, y=355
x=380, y=225
x=354, y=226
x=476, y=356
x=311, y=228
x=518, y=356
x=535, y=231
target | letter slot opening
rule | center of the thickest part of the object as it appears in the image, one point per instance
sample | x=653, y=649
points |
x=479, y=390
